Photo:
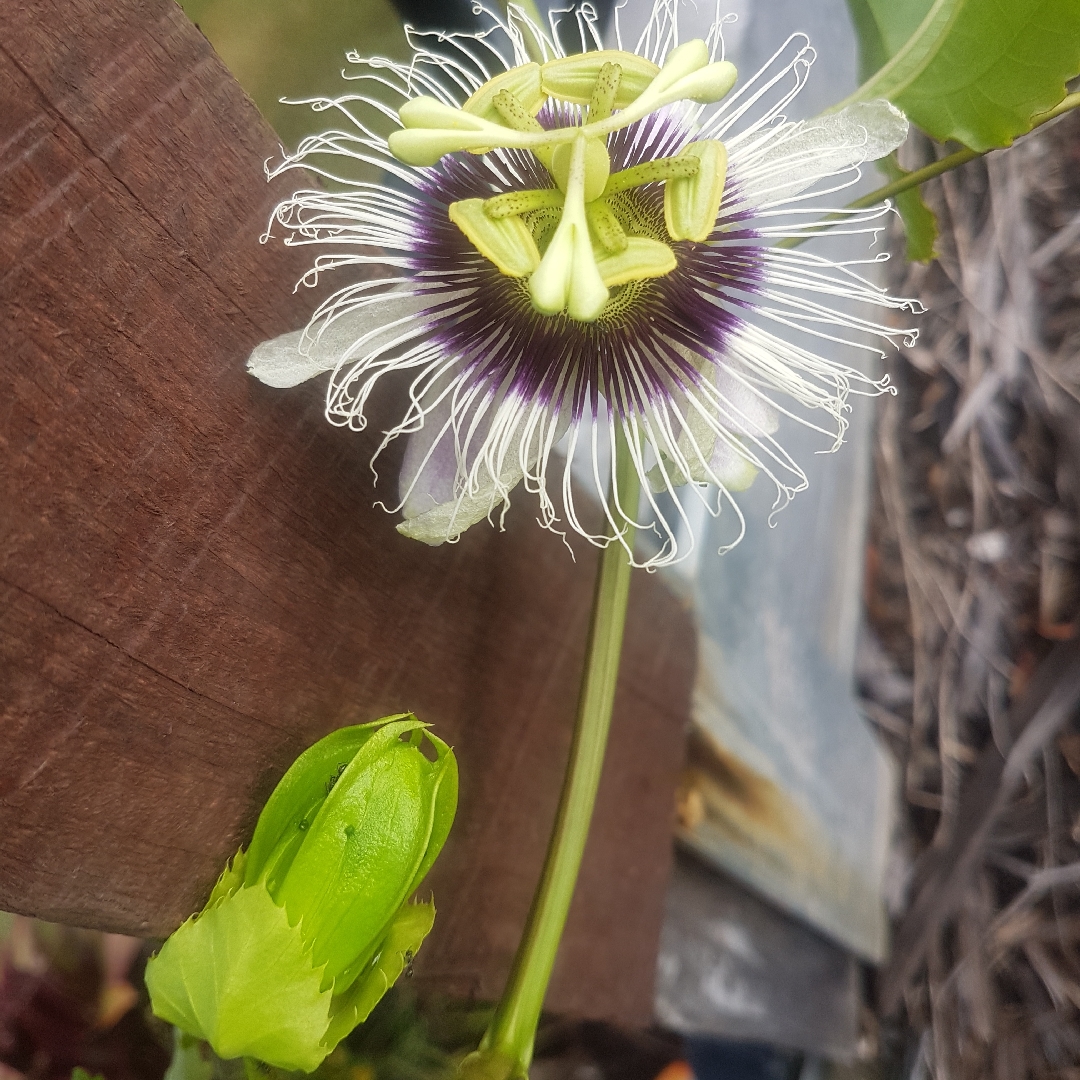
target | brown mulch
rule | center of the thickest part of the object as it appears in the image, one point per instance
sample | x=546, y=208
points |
x=973, y=595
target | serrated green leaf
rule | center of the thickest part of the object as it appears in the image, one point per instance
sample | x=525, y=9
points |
x=231, y=879
x=976, y=71
x=404, y=936
x=241, y=978
x=920, y=222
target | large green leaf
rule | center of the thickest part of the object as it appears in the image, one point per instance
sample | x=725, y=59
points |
x=875, y=49
x=976, y=71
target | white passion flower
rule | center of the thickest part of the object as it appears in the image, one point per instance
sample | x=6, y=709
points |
x=576, y=258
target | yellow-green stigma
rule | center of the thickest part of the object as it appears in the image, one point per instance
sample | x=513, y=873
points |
x=580, y=238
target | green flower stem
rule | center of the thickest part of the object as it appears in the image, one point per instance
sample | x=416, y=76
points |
x=513, y=1027
x=936, y=168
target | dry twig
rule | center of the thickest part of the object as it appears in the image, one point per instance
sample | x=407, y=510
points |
x=978, y=467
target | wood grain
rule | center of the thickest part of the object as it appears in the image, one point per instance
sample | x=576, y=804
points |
x=194, y=584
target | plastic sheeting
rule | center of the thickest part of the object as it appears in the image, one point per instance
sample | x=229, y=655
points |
x=791, y=793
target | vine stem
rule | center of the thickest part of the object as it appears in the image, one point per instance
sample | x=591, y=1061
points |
x=936, y=168
x=509, y=1039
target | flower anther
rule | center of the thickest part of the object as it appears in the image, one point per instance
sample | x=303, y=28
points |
x=587, y=250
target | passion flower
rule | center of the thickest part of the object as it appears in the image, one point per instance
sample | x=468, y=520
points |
x=584, y=263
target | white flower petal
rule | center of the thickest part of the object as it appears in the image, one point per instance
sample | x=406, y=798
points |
x=731, y=468
x=433, y=514
x=738, y=409
x=427, y=474
x=434, y=504
x=449, y=520
x=280, y=363
x=749, y=413
x=291, y=359
x=799, y=155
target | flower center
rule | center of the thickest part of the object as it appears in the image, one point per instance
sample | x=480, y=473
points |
x=578, y=239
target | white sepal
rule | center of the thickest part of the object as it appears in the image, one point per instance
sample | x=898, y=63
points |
x=799, y=155
x=295, y=357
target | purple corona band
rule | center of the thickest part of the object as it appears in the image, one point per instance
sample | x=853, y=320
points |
x=629, y=357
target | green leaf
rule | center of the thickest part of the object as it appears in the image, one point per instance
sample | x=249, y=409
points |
x=920, y=223
x=231, y=879
x=241, y=978
x=873, y=52
x=883, y=29
x=976, y=71
x=404, y=936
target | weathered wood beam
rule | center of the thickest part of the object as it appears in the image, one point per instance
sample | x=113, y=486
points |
x=194, y=584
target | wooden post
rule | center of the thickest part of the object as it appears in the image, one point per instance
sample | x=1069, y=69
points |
x=194, y=584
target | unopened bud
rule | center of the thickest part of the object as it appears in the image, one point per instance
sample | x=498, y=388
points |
x=305, y=932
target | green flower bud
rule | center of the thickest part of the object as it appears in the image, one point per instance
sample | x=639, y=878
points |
x=305, y=932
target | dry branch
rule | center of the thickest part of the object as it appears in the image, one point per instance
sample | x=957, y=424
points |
x=978, y=469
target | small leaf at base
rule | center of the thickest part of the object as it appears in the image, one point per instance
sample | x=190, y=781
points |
x=241, y=978
x=404, y=936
